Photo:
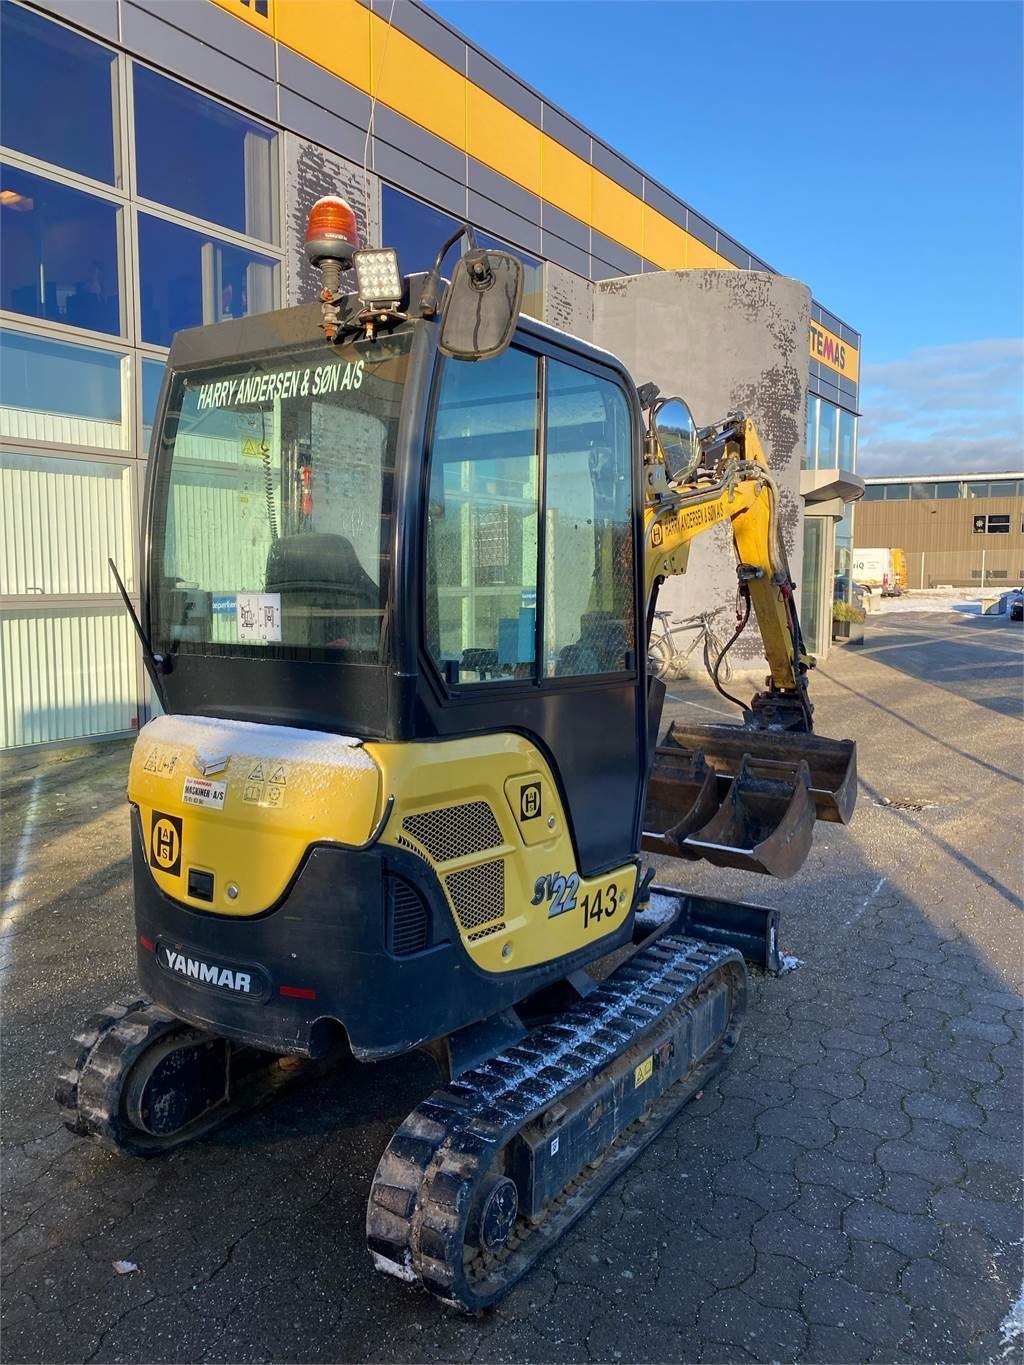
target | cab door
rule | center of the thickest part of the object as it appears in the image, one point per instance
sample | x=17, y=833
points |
x=530, y=607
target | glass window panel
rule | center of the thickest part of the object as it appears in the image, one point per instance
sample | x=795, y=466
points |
x=975, y=490
x=62, y=521
x=58, y=392
x=999, y=524
x=481, y=595
x=810, y=595
x=1002, y=488
x=828, y=431
x=416, y=231
x=152, y=379
x=811, y=448
x=847, y=440
x=60, y=252
x=198, y=156
x=588, y=575
x=922, y=492
x=897, y=492
x=188, y=278
x=57, y=95
x=947, y=490
x=875, y=492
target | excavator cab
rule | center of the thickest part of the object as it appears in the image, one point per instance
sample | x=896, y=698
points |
x=402, y=551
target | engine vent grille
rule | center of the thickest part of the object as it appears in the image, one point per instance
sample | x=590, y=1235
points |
x=498, y=928
x=455, y=831
x=478, y=893
x=407, y=924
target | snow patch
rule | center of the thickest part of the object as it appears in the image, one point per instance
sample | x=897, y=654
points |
x=1012, y=1326
x=400, y=1272
x=789, y=963
x=659, y=909
x=203, y=733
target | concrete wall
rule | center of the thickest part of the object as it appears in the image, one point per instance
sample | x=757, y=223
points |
x=722, y=340
x=312, y=171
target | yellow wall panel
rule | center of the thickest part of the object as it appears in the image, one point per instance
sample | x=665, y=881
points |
x=333, y=33
x=414, y=82
x=502, y=139
x=565, y=179
x=664, y=242
x=616, y=212
x=701, y=257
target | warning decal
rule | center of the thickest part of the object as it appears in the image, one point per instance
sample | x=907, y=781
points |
x=165, y=843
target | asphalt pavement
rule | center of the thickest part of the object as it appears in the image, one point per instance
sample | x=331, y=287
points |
x=849, y=1189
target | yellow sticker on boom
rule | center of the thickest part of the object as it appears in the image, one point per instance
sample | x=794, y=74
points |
x=643, y=1072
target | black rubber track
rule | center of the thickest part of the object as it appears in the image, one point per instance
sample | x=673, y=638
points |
x=424, y=1189
x=97, y=1063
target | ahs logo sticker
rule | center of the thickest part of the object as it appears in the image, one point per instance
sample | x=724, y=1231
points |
x=165, y=844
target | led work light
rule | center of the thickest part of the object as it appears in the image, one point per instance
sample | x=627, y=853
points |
x=378, y=278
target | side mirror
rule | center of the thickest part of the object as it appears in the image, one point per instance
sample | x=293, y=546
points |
x=482, y=305
x=677, y=436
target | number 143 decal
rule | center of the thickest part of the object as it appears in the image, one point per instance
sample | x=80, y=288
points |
x=562, y=892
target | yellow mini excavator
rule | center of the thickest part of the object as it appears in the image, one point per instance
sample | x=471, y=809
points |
x=402, y=551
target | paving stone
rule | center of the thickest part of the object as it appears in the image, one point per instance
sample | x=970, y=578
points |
x=971, y=1065
x=910, y=1233
x=864, y=1044
x=981, y=1147
x=1001, y=1222
x=884, y=1121
x=966, y=1027
x=777, y=1281
x=905, y=1193
x=854, y=1144
x=874, y=1266
x=775, y=1154
x=768, y=1189
x=990, y=1180
x=818, y=1249
x=831, y=1344
x=806, y=1130
x=821, y=1206
x=833, y=1302
x=855, y=1178
x=885, y=1070
x=931, y=1165
x=840, y=1080
x=928, y=1283
x=770, y=1333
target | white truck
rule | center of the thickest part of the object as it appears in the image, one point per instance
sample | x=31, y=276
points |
x=878, y=569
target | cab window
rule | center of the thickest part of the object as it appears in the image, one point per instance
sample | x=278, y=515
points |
x=588, y=625
x=489, y=530
x=482, y=518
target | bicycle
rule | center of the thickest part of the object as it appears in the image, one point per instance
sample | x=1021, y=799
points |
x=668, y=662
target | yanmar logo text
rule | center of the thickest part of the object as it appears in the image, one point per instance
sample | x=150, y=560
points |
x=207, y=973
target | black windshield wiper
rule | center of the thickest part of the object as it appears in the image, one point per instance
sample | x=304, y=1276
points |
x=154, y=662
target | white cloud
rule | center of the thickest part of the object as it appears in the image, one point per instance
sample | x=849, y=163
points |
x=943, y=409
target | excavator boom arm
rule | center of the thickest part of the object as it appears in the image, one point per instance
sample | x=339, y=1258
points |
x=733, y=483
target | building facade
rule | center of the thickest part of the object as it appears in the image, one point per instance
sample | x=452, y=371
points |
x=168, y=185
x=956, y=530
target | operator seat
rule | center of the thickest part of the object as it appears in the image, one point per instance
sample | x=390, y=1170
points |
x=328, y=600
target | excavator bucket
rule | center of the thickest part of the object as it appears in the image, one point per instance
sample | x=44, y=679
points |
x=762, y=822
x=832, y=763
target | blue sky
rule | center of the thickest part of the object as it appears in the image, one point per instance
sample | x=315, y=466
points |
x=872, y=149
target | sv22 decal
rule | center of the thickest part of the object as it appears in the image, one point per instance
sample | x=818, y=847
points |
x=559, y=890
